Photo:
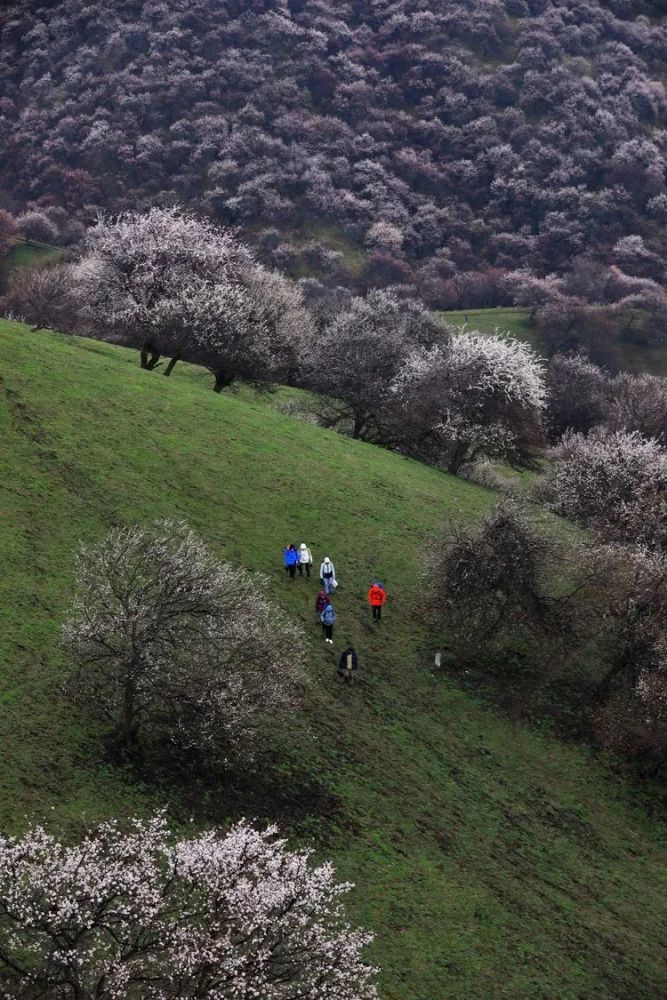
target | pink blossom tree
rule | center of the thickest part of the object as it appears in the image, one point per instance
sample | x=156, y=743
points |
x=140, y=914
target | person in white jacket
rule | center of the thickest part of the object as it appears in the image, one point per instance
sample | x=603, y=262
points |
x=328, y=575
x=305, y=559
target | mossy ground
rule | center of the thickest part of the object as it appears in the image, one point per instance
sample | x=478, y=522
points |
x=490, y=859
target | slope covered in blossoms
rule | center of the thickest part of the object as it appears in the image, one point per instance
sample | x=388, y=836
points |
x=375, y=142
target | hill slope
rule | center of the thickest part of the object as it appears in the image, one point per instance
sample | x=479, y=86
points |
x=481, y=135
x=490, y=859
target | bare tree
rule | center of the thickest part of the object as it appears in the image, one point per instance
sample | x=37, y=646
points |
x=45, y=297
x=501, y=579
x=169, y=645
x=356, y=356
x=578, y=394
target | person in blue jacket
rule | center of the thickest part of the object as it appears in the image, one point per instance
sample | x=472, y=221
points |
x=291, y=560
x=328, y=617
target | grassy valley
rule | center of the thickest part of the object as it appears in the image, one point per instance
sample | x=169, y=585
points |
x=490, y=859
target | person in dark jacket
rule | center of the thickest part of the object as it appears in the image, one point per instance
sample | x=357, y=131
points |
x=328, y=617
x=291, y=560
x=348, y=665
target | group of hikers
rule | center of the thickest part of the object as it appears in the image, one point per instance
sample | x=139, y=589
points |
x=301, y=559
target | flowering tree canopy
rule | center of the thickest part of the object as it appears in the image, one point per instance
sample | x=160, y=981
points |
x=169, y=645
x=139, y=914
x=615, y=481
x=472, y=395
x=144, y=274
x=356, y=356
x=170, y=282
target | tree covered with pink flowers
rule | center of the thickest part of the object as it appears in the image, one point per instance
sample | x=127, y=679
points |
x=138, y=912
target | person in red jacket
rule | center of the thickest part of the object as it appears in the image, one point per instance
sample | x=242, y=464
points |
x=377, y=596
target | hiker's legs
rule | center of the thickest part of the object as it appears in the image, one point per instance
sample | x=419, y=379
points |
x=328, y=629
x=324, y=631
x=379, y=612
x=300, y=568
x=326, y=583
x=308, y=570
x=292, y=572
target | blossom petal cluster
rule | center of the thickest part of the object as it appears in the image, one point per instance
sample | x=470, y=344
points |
x=139, y=914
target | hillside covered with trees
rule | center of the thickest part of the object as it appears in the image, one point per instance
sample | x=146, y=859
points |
x=433, y=145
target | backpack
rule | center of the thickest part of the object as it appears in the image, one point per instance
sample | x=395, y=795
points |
x=328, y=615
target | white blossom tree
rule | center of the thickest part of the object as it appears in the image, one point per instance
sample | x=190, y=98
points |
x=639, y=403
x=171, y=647
x=615, y=481
x=143, y=272
x=138, y=914
x=171, y=283
x=470, y=396
x=255, y=331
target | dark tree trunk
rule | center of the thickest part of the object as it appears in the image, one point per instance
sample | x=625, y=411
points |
x=149, y=362
x=222, y=380
x=172, y=364
x=458, y=458
x=359, y=425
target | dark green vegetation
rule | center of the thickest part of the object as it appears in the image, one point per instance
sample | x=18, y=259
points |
x=623, y=355
x=24, y=255
x=491, y=860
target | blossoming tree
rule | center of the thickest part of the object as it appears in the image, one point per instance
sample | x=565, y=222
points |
x=139, y=914
x=170, y=646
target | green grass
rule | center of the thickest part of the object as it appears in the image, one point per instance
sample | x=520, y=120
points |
x=24, y=255
x=490, y=859
x=622, y=355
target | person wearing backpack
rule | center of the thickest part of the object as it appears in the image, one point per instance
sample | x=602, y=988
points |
x=305, y=559
x=328, y=617
x=348, y=665
x=328, y=575
x=291, y=560
x=377, y=597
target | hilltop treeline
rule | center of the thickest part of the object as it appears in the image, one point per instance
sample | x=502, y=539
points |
x=448, y=141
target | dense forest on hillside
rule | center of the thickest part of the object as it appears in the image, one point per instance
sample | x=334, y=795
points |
x=435, y=145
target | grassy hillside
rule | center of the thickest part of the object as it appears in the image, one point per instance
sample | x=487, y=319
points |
x=491, y=860
x=624, y=356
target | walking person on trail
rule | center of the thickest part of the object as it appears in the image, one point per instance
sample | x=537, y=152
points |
x=348, y=665
x=320, y=602
x=377, y=597
x=328, y=617
x=328, y=575
x=305, y=559
x=291, y=560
